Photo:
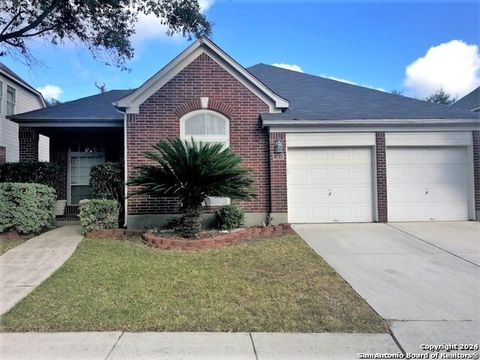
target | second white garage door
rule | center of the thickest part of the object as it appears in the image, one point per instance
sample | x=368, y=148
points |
x=427, y=183
x=329, y=185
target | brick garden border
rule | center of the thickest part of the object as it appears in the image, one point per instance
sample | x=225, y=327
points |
x=112, y=233
x=216, y=241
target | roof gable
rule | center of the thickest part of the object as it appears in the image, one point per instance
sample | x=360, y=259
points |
x=6, y=71
x=132, y=102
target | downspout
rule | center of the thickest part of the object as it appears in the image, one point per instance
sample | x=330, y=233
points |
x=125, y=159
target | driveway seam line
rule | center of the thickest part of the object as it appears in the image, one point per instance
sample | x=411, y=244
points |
x=114, y=345
x=253, y=346
x=429, y=243
x=395, y=340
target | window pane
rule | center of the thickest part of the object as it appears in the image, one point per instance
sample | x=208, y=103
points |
x=215, y=125
x=79, y=193
x=10, y=94
x=10, y=108
x=195, y=125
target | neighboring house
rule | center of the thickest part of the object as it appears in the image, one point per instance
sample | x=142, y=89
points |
x=16, y=96
x=320, y=150
x=470, y=101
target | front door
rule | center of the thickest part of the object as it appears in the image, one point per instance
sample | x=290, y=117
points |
x=82, y=158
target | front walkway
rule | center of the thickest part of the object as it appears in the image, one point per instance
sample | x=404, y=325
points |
x=24, y=267
x=423, y=278
x=179, y=346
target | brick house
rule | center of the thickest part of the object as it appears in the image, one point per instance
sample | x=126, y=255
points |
x=320, y=150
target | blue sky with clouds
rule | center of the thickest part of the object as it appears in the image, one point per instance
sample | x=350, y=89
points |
x=411, y=46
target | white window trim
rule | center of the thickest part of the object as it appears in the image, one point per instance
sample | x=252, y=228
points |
x=1, y=97
x=205, y=138
x=211, y=200
x=14, y=102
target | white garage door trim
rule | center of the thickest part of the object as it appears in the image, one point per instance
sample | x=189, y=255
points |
x=330, y=139
x=332, y=191
x=339, y=139
x=439, y=139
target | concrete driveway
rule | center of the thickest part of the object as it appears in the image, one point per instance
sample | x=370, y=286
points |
x=424, y=278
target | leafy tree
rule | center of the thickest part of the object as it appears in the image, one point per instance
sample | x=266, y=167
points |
x=52, y=102
x=192, y=171
x=441, y=97
x=104, y=26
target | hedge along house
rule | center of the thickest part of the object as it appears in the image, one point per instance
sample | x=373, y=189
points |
x=320, y=150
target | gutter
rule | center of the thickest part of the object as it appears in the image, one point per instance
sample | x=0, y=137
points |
x=370, y=122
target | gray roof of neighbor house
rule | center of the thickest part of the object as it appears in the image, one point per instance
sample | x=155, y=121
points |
x=316, y=98
x=91, y=108
x=469, y=101
x=10, y=73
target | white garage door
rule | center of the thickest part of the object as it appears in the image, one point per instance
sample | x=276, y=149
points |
x=428, y=183
x=329, y=185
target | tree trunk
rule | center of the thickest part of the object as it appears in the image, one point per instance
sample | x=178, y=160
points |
x=191, y=222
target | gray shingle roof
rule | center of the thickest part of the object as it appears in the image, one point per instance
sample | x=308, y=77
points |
x=311, y=98
x=316, y=98
x=92, y=108
x=469, y=101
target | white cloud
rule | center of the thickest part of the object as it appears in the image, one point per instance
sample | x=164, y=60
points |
x=50, y=91
x=353, y=83
x=341, y=80
x=453, y=66
x=150, y=26
x=205, y=5
x=292, y=67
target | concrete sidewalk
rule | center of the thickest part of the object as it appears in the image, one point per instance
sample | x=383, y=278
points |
x=173, y=346
x=24, y=267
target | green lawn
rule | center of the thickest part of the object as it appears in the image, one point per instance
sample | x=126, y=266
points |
x=7, y=244
x=276, y=284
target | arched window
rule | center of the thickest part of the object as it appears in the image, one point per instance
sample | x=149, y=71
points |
x=205, y=126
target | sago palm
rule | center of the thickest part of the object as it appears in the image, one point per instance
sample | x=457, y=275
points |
x=191, y=171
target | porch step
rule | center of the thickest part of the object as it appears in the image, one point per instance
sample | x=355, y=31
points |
x=71, y=210
x=63, y=221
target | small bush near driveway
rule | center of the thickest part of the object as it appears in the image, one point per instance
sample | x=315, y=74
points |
x=97, y=214
x=229, y=217
x=274, y=285
x=26, y=208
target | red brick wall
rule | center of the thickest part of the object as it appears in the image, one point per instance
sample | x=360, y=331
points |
x=278, y=174
x=28, y=147
x=476, y=168
x=59, y=156
x=159, y=117
x=3, y=155
x=382, y=205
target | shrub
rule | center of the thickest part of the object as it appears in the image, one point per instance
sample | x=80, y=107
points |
x=97, y=214
x=38, y=172
x=191, y=171
x=229, y=217
x=106, y=181
x=26, y=208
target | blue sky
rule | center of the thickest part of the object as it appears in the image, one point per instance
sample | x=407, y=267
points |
x=368, y=43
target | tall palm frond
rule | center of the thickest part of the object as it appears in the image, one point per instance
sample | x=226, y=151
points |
x=192, y=171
